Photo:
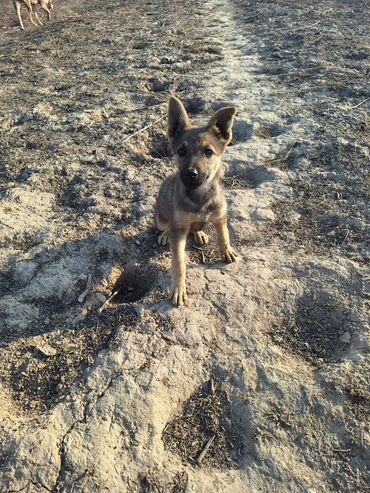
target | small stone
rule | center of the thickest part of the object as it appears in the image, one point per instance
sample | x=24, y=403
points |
x=345, y=338
x=24, y=271
x=46, y=350
x=137, y=242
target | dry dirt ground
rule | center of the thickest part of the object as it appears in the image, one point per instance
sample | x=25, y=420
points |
x=261, y=384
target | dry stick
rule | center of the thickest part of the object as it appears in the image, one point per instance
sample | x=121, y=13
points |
x=318, y=324
x=341, y=450
x=312, y=25
x=205, y=450
x=86, y=290
x=108, y=300
x=144, y=128
x=344, y=239
x=202, y=253
x=359, y=104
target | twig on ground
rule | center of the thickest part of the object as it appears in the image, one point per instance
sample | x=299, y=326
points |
x=318, y=324
x=144, y=128
x=108, y=300
x=202, y=253
x=312, y=25
x=344, y=239
x=341, y=450
x=231, y=181
x=359, y=104
x=205, y=450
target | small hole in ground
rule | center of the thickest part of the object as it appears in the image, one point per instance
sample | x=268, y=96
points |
x=242, y=175
x=242, y=131
x=268, y=131
x=133, y=284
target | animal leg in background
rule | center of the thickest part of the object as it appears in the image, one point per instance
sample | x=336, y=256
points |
x=17, y=6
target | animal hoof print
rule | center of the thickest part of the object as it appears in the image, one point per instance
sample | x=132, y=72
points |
x=230, y=256
x=178, y=296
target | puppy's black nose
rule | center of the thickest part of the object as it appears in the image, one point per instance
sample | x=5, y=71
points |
x=192, y=174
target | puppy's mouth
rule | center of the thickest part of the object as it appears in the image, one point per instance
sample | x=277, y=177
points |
x=192, y=183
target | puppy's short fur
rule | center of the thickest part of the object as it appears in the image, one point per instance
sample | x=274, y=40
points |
x=46, y=5
x=193, y=196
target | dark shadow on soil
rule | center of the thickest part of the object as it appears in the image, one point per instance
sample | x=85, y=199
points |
x=248, y=177
x=39, y=363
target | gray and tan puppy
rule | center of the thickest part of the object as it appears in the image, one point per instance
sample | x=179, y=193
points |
x=193, y=196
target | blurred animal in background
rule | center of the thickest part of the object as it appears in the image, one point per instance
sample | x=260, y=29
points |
x=32, y=5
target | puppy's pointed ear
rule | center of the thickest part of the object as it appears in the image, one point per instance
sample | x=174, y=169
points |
x=222, y=122
x=178, y=119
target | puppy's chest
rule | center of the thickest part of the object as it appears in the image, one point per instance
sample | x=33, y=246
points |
x=200, y=220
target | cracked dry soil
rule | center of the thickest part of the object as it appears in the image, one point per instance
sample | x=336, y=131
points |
x=261, y=384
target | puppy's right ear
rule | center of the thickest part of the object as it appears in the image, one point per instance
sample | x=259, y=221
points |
x=178, y=119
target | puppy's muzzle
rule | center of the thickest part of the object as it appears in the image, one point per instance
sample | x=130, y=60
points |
x=191, y=175
x=191, y=178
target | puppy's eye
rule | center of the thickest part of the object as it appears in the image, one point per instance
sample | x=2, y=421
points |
x=208, y=152
x=181, y=151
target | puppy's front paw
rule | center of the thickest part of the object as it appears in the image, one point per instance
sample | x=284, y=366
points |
x=178, y=295
x=229, y=255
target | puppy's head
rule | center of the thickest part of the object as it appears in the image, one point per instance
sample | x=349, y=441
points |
x=198, y=150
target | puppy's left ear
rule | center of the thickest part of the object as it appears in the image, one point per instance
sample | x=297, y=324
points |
x=222, y=122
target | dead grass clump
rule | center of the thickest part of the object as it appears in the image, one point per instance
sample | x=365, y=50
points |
x=204, y=433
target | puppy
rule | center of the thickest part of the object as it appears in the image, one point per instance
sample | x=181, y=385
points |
x=193, y=196
x=46, y=5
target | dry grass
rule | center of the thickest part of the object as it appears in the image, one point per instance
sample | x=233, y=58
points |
x=204, y=433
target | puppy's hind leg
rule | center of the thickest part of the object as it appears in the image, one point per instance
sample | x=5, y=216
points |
x=44, y=7
x=227, y=252
x=164, y=238
x=164, y=226
x=200, y=238
x=37, y=17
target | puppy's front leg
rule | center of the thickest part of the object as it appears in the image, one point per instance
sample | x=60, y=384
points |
x=18, y=9
x=227, y=252
x=178, y=289
x=29, y=7
x=47, y=10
